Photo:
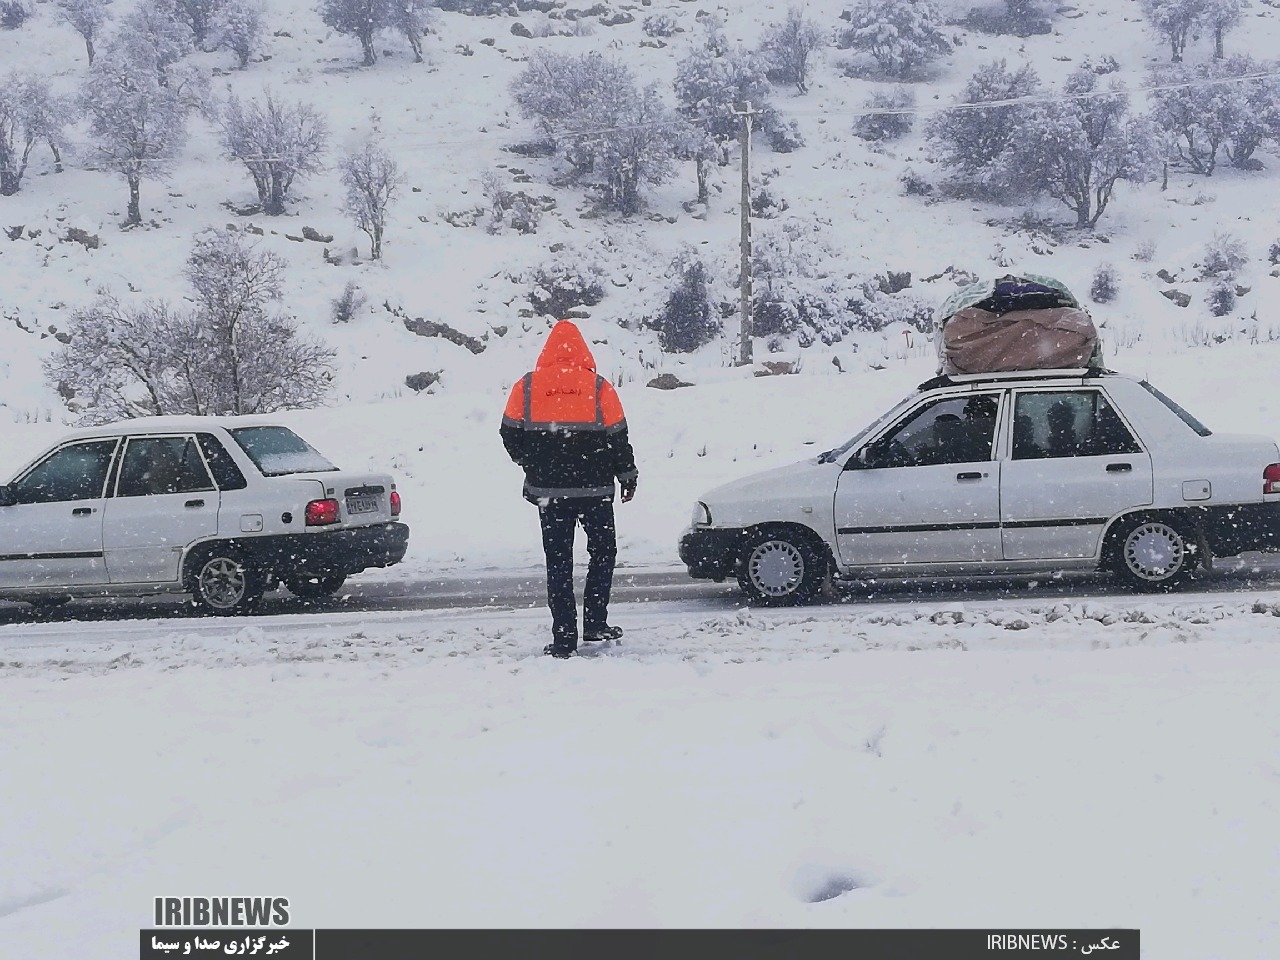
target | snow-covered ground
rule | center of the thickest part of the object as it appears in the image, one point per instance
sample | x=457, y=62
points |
x=1062, y=763
x=1083, y=764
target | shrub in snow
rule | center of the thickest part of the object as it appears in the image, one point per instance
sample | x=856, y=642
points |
x=972, y=141
x=1106, y=284
x=1077, y=149
x=508, y=208
x=29, y=114
x=14, y=13
x=229, y=355
x=1145, y=251
x=897, y=120
x=1222, y=298
x=278, y=143
x=1021, y=18
x=687, y=321
x=659, y=25
x=351, y=300
x=783, y=135
x=137, y=122
x=902, y=35
x=914, y=185
x=372, y=179
x=1223, y=256
x=562, y=285
x=85, y=17
x=1273, y=254
x=789, y=47
x=1200, y=115
x=198, y=15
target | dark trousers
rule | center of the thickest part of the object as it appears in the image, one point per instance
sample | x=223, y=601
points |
x=560, y=519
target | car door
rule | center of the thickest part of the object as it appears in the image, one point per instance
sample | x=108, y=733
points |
x=926, y=490
x=51, y=532
x=1073, y=464
x=164, y=500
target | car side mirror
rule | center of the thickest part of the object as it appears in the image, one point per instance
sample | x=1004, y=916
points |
x=868, y=458
x=7, y=496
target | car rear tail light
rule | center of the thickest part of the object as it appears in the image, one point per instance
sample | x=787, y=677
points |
x=395, y=503
x=322, y=512
x=1271, y=479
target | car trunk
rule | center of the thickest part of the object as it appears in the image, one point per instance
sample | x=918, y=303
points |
x=363, y=498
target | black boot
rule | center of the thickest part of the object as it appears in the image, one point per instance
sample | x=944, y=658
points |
x=597, y=634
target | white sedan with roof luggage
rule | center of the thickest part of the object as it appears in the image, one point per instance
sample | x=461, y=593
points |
x=1024, y=472
x=221, y=508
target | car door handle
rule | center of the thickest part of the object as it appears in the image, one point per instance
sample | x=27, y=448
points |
x=969, y=475
x=195, y=503
x=1119, y=467
x=82, y=512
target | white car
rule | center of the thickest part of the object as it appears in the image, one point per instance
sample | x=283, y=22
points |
x=1002, y=473
x=221, y=508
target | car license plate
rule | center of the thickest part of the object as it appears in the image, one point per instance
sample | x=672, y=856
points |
x=362, y=505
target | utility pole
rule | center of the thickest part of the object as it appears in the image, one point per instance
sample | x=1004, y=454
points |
x=743, y=110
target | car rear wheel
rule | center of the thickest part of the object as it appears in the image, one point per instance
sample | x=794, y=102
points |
x=226, y=583
x=1154, y=553
x=780, y=569
x=315, y=588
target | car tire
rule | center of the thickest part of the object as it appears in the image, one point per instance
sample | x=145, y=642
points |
x=1154, y=553
x=225, y=582
x=781, y=568
x=315, y=588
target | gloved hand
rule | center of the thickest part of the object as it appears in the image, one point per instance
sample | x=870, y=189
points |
x=628, y=489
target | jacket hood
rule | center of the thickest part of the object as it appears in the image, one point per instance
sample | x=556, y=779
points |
x=566, y=348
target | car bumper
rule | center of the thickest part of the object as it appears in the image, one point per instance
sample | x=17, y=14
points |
x=710, y=553
x=1244, y=528
x=330, y=552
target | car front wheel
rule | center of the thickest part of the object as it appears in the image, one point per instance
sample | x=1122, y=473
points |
x=780, y=569
x=226, y=583
x=315, y=588
x=1154, y=553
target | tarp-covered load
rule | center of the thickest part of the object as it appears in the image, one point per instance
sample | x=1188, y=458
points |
x=1026, y=322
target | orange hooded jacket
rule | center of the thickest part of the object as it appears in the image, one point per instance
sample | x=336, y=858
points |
x=564, y=424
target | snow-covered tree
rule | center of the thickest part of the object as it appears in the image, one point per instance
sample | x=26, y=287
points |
x=1077, y=149
x=85, y=17
x=363, y=19
x=1220, y=16
x=136, y=121
x=710, y=79
x=230, y=355
x=29, y=114
x=199, y=16
x=972, y=139
x=894, y=116
x=610, y=131
x=1258, y=119
x=789, y=47
x=257, y=361
x=902, y=35
x=238, y=26
x=1200, y=116
x=1173, y=20
x=158, y=26
x=411, y=18
x=277, y=142
x=372, y=178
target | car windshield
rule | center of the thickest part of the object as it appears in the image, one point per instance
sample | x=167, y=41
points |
x=827, y=456
x=278, y=451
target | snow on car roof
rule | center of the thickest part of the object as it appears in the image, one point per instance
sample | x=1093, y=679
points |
x=171, y=425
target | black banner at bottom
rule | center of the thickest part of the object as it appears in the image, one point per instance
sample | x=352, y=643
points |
x=289, y=943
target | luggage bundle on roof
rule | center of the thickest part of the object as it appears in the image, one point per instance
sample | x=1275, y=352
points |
x=1025, y=322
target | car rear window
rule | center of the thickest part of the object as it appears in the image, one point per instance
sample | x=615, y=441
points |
x=1181, y=414
x=278, y=451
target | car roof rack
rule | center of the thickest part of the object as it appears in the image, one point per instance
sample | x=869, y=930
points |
x=959, y=379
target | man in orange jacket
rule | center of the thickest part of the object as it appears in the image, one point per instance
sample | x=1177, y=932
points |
x=564, y=426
